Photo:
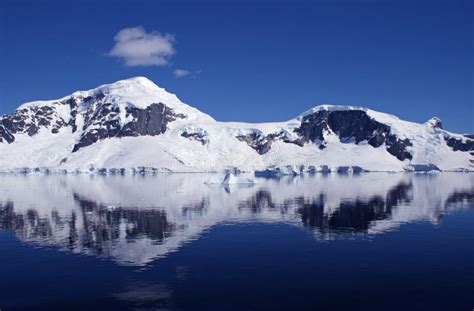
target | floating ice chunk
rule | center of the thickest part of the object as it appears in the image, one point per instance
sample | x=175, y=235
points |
x=229, y=179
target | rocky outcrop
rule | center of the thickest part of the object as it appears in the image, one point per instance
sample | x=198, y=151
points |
x=101, y=120
x=356, y=126
x=5, y=134
x=351, y=126
x=197, y=136
x=435, y=123
x=313, y=127
x=261, y=143
x=29, y=121
x=105, y=123
x=399, y=147
x=458, y=144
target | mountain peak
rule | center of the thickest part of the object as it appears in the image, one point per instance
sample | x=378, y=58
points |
x=141, y=79
x=134, y=82
x=435, y=122
x=139, y=92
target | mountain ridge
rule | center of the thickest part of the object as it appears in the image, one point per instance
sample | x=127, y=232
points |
x=134, y=123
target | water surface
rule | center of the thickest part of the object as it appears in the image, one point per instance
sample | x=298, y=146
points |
x=171, y=242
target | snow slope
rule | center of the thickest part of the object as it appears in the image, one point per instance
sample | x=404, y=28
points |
x=136, y=126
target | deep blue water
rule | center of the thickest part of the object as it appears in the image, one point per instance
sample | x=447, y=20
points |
x=388, y=242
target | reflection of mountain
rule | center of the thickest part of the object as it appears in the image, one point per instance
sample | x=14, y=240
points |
x=353, y=215
x=102, y=223
x=134, y=220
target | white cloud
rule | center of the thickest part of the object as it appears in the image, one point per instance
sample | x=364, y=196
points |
x=180, y=73
x=136, y=47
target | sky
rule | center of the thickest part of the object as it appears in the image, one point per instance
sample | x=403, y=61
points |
x=249, y=61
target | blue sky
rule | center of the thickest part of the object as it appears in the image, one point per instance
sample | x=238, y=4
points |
x=260, y=61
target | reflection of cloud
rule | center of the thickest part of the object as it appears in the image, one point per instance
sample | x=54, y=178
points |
x=132, y=221
x=146, y=297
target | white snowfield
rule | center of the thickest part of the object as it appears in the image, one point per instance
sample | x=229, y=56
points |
x=171, y=152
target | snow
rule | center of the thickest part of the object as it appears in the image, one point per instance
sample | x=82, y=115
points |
x=171, y=152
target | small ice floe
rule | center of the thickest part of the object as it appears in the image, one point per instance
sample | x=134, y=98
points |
x=229, y=179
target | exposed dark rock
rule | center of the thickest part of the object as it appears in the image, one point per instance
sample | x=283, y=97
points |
x=73, y=106
x=377, y=139
x=58, y=125
x=257, y=141
x=398, y=147
x=263, y=143
x=32, y=130
x=436, y=123
x=30, y=121
x=104, y=123
x=150, y=121
x=313, y=126
x=456, y=144
x=356, y=126
x=5, y=134
x=351, y=126
x=200, y=137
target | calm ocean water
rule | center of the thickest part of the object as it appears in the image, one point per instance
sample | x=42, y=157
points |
x=171, y=242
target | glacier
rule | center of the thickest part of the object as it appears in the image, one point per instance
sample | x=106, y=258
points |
x=135, y=126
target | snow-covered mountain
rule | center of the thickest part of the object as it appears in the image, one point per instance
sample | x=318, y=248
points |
x=134, y=125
